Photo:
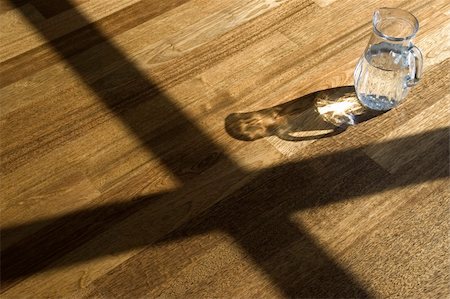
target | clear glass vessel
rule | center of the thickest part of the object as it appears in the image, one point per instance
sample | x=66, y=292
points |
x=390, y=64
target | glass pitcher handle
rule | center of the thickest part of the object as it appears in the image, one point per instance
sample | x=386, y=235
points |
x=418, y=65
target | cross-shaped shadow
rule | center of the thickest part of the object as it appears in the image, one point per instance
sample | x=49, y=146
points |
x=256, y=215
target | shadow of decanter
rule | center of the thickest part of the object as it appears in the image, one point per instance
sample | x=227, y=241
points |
x=317, y=115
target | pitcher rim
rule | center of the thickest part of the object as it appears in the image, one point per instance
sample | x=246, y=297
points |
x=394, y=38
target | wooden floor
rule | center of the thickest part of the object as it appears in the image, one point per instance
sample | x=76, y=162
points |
x=158, y=148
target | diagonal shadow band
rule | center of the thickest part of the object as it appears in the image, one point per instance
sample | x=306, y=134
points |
x=142, y=106
x=129, y=95
x=259, y=215
x=275, y=193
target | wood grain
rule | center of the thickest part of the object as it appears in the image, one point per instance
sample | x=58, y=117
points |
x=119, y=179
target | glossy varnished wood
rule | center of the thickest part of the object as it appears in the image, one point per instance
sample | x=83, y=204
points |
x=164, y=149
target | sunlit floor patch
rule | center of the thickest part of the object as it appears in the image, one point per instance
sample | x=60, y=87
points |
x=341, y=107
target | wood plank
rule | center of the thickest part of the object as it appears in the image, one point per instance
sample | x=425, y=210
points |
x=75, y=35
x=176, y=36
x=329, y=225
x=415, y=261
x=392, y=159
x=52, y=8
x=58, y=26
x=120, y=177
x=14, y=23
